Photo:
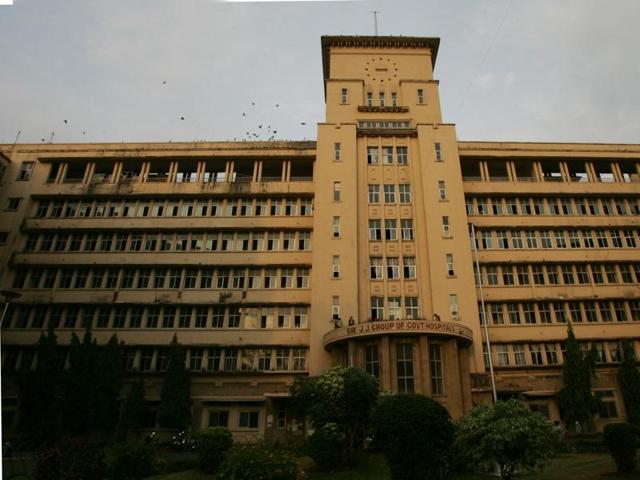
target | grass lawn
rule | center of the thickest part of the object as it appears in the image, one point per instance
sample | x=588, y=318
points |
x=372, y=466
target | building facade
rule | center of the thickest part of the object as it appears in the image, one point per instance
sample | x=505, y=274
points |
x=376, y=246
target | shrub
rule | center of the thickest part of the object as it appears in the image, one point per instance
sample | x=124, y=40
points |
x=254, y=463
x=621, y=440
x=324, y=446
x=342, y=396
x=70, y=459
x=213, y=443
x=506, y=434
x=414, y=433
x=132, y=461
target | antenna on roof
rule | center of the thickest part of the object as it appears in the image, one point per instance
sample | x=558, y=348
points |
x=17, y=137
x=51, y=137
x=375, y=21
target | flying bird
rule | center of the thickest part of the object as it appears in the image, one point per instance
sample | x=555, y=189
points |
x=303, y=123
x=277, y=104
x=65, y=121
x=253, y=103
x=181, y=118
x=164, y=82
x=244, y=114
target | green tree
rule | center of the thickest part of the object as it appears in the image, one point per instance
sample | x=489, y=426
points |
x=39, y=394
x=108, y=380
x=341, y=396
x=79, y=385
x=415, y=433
x=575, y=399
x=175, y=397
x=506, y=434
x=629, y=377
x=135, y=409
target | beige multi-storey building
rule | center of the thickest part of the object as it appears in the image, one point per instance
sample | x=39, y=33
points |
x=375, y=246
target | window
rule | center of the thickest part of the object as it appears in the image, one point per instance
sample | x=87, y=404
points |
x=492, y=275
x=607, y=406
x=381, y=97
x=377, y=308
x=442, y=192
x=535, y=354
x=405, y=193
x=404, y=367
x=218, y=418
x=514, y=313
x=538, y=274
x=523, y=274
x=335, y=308
x=26, y=169
x=337, y=188
x=518, y=353
x=393, y=268
x=409, y=267
x=372, y=155
x=438, y=152
x=390, y=230
x=394, y=99
x=375, y=268
x=336, y=227
x=435, y=367
x=529, y=313
x=407, y=229
x=337, y=154
x=567, y=275
x=394, y=306
x=389, y=194
x=411, y=307
x=335, y=266
x=561, y=316
x=601, y=237
x=230, y=359
x=300, y=317
x=387, y=155
x=420, y=93
x=344, y=96
x=453, y=305
x=450, y=270
x=370, y=99
x=372, y=360
x=374, y=193
x=545, y=239
x=403, y=155
x=503, y=242
x=544, y=312
x=561, y=241
x=507, y=275
x=503, y=355
x=446, y=227
x=13, y=203
x=496, y=206
x=249, y=420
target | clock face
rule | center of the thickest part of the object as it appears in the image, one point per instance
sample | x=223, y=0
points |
x=380, y=69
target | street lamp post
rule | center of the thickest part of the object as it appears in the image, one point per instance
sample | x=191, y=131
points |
x=483, y=313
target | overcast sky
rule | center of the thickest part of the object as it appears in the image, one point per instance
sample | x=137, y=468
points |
x=555, y=70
